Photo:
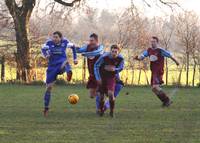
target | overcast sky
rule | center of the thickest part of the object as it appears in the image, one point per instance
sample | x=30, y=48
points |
x=156, y=9
x=115, y=5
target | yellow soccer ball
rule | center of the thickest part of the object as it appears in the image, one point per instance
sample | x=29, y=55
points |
x=73, y=98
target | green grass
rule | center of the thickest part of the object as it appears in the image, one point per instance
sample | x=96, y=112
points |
x=139, y=117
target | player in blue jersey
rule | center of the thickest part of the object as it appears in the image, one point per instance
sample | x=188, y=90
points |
x=105, y=69
x=54, y=51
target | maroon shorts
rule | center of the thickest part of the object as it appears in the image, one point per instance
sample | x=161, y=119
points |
x=108, y=84
x=157, y=78
x=92, y=83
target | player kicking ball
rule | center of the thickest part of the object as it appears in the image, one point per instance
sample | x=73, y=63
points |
x=157, y=55
x=54, y=51
x=105, y=69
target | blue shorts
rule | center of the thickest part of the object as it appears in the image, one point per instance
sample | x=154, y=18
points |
x=54, y=70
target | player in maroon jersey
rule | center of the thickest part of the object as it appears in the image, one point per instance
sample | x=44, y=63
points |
x=92, y=51
x=157, y=56
x=105, y=69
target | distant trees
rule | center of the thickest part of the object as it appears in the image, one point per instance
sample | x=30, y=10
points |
x=129, y=27
x=187, y=30
x=166, y=34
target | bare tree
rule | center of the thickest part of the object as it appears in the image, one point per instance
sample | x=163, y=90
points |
x=186, y=29
x=166, y=33
x=21, y=12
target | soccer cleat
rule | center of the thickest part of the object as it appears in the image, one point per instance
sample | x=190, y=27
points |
x=69, y=76
x=45, y=112
x=98, y=112
x=167, y=104
x=111, y=114
x=101, y=113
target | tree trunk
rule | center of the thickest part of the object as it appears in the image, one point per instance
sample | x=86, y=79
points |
x=166, y=76
x=3, y=69
x=193, y=77
x=147, y=80
x=180, y=76
x=132, y=79
x=187, y=69
x=84, y=70
x=21, y=16
x=199, y=74
x=126, y=81
x=140, y=71
x=194, y=72
x=23, y=48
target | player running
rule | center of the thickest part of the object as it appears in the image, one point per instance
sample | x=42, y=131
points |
x=92, y=51
x=106, y=68
x=92, y=55
x=156, y=55
x=118, y=87
x=54, y=51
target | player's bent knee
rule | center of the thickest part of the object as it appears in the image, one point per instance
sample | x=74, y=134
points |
x=111, y=95
x=156, y=88
x=92, y=95
x=49, y=87
x=153, y=89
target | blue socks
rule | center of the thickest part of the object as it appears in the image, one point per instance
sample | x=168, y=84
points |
x=97, y=102
x=118, y=88
x=68, y=68
x=47, y=97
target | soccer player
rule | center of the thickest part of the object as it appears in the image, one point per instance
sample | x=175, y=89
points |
x=92, y=55
x=118, y=87
x=92, y=51
x=156, y=55
x=54, y=51
x=106, y=68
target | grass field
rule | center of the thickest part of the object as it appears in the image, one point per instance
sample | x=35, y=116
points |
x=139, y=117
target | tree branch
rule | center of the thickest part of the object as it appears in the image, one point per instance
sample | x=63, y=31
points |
x=27, y=6
x=67, y=3
x=169, y=4
x=11, y=4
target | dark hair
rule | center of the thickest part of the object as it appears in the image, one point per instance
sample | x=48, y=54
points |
x=156, y=38
x=58, y=33
x=94, y=35
x=115, y=47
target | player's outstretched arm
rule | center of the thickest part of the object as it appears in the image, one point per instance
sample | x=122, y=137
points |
x=81, y=49
x=97, y=52
x=74, y=55
x=97, y=65
x=142, y=56
x=168, y=54
x=173, y=59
